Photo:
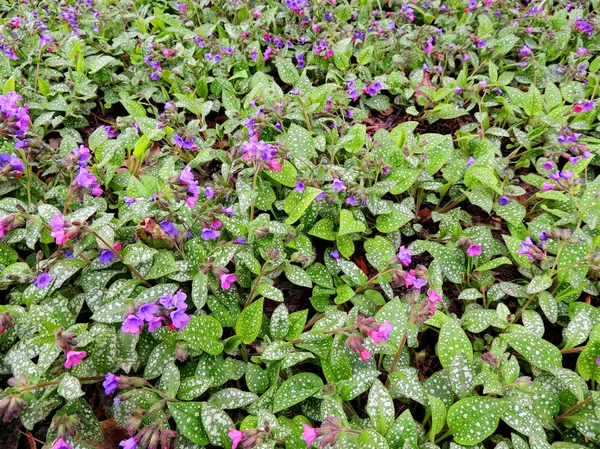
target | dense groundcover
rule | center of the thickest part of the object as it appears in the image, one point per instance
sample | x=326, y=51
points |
x=259, y=224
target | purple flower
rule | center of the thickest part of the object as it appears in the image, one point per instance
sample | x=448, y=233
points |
x=543, y=236
x=471, y=161
x=132, y=324
x=373, y=89
x=335, y=254
x=210, y=234
x=111, y=383
x=61, y=444
x=338, y=185
x=404, y=256
x=321, y=196
x=169, y=228
x=106, y=255
x=147, y=311
x=566, y=174
x=171, y=301
x=503, y=201
x=43, y=280
x=85, y=179
x=474, y=250
x=180, y=319
x=299, y=187
x=130, y=443
x=352, y=200
x=548, y=165
x=240, y=241
x=547, y=186
x=481, y=43
x=525, y=51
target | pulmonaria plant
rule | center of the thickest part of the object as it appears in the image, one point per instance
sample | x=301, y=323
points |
x=252, y=225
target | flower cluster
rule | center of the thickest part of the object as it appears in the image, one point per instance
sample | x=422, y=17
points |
x=15, y=118
x=368, y=327
x=11, y=165
x=169, y=310
x=261, y=154
x=186, y=178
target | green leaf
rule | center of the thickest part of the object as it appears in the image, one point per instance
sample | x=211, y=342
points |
x=287, y=176
x=587, y=367
x=323, y=229
x=348, y=224
x=296, y=389
x=193, y=387
x=187, y=417
x=69, y=387
x=296, y=203
x=404, y=178
x=535, y=350
x=286, y=70
x=379, y=252
x=472, y=420
x=539, y=283
x=533, y=103
x=300, y=142
x=216, y=423
x=297, y=276
x=355, y=138
x=204, y=332
x=495, y=263
x=371, y=439
x=438, y=416
x=451, y=341
x=380, y=407
x=438, y=149
x=249, y=322
x=353, y=272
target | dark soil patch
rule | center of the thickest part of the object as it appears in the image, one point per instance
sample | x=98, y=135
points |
x=390, y=118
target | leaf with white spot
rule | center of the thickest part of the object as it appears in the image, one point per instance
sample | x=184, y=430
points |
x=249, y=322
x=535, y=350
x=380, y=407
x=204, y=332
x=472, y=420
x=229, y=398
x=296, y=389
x=451, y=341
x=286, y=70
x=69, y=387
x=188, y=420
x=300, y=142
x=297, y=276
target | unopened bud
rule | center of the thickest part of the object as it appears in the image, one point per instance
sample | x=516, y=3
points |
x=260, y=231
x=181, y=352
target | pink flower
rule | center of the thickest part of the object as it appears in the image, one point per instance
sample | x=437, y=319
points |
x=226, y=280
x=474, y=250
x=365, y=354
x=433, y=297
x=274, y=164
x=74, y=358
x=382, y=333
x=236, y=436
x=310, y=434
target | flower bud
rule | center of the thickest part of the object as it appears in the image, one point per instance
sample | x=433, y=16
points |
x=181, y=352
x=260, y=231
x=11, y=407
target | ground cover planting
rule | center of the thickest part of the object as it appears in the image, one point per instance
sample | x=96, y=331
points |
x=349, y=224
